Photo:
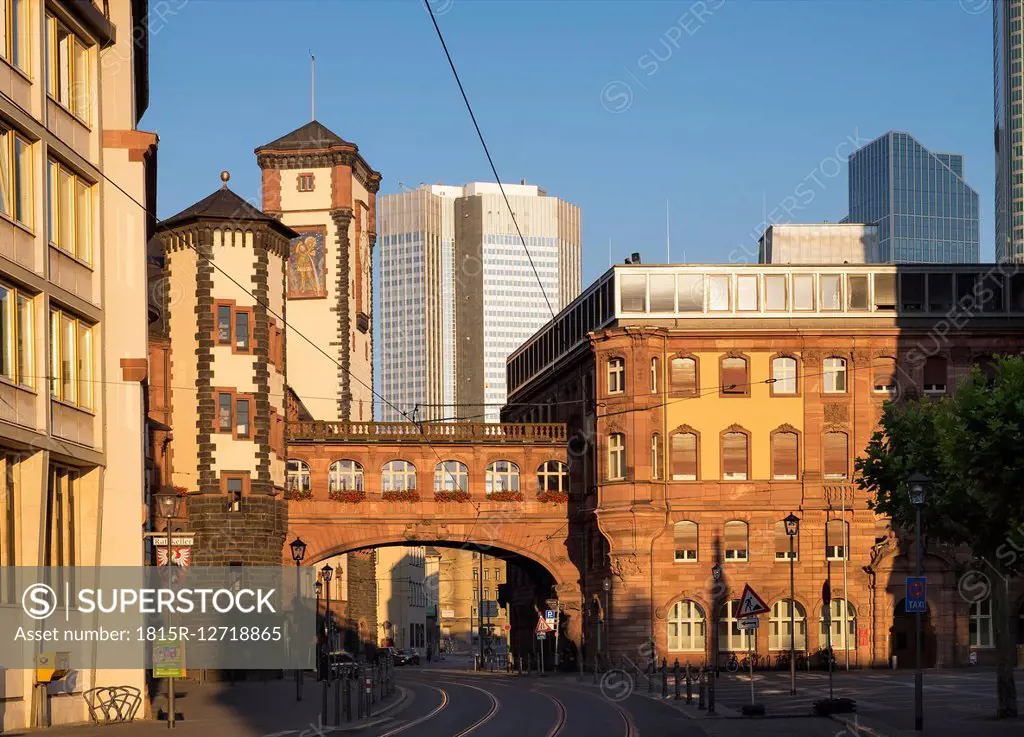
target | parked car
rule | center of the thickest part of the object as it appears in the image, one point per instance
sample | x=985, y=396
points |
x=409, y=656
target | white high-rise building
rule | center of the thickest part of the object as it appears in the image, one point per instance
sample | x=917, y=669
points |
x=452, y=264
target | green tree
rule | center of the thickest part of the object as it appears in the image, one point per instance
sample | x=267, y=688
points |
x=971, y=446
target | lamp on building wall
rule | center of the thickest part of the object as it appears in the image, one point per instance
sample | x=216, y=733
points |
x=918, y=485
x=607, y=586
x=792, y=523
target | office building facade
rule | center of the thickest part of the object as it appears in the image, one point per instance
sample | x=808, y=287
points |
x=924, y=210
x=452, y=263
x=1008, y=97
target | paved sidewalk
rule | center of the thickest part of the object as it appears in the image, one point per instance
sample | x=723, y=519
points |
x=247, y=709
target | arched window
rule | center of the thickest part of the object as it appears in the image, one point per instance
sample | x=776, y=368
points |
x=980, y=623
x=298, y=476
x=785, y=455
x=782, y=542
x=736, y=540
x=936, y=370
x=685, y=538
x=684, y=375
x=730, y=637
x=843, y=625
x=616, y=375
x=655, y=369
x=398, y=476
x=734, y=379
x=836, y=454
x=781, y=631
x=735, y=456
x=616, y=456
x=451, y=476
x=834, y=375
x=345, y=476
x=783, y=376
x=553, y=476
x=884, y=381
x=836, y=537
x=686, y=627
x=502, y=476
x=655, y=456
x=683, y=456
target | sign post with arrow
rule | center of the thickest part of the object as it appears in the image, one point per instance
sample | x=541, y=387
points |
x=750, y=606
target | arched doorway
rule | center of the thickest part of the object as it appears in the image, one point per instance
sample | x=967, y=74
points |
x=902, y=637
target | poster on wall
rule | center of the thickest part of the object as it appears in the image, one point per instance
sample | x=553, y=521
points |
x=307, y=265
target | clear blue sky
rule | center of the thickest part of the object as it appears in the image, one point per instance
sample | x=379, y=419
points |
x=749, y=101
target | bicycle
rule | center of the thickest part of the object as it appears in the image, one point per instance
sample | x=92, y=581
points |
x=732, y=665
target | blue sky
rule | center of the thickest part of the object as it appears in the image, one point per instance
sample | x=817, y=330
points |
x=722, y=108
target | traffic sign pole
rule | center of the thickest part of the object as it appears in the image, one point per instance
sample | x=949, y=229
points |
x=558, y=621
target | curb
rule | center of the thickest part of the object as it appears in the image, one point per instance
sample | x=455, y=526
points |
x=404, y=696
x=855, y=728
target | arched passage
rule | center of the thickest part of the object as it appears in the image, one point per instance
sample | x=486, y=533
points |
x=902, y=637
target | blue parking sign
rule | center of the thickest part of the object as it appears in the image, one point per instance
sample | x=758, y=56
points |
x=917, y=594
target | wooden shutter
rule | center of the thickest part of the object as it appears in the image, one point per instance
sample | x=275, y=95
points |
x=781, y=539
x=684, y=456
x=835, y=534
x=685, y=534
x=784, y=454
x=734, y=454
x=735, y=535
x=684, y=375
x=935, y=372
x=734, y=376
x=836, y=454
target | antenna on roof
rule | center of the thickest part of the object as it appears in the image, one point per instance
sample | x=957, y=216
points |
x=668, y=241
x=312, y=85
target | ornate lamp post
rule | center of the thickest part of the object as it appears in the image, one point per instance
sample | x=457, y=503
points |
x=298, y=553
x=918, y=485
x=792, y=523
x=319, y=588
x=167, y=503
x=326, y=572
x=607, y=586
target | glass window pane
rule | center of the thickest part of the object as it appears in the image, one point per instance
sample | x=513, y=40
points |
x=6, y=333
x=23, y=181
x=26, y=344
x=746, y=292
x=85, y=385
x=242, y=331
x=65, y=208
x=803, y=291
x=831, y=297
x=224, y=412
x=19, y=33
x=691, y=293
x=83, y=221
x=633, y=293
x=80, y=89
x=718, y=292
x=775, y=292
x=242, y=418
x=223, y=324
x=5, y=172
x=55, y=362
x=69, y=359
x=858, y=292
x=663, y=293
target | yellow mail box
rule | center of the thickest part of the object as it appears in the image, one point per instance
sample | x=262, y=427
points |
x=52, y=666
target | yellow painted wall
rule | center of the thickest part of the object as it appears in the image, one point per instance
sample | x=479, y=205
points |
x=294, y=200
x=759, y=414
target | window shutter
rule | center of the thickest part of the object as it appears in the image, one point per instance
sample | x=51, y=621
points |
x=935, y=372
x=735, y=535
x=781, y=538
x=734, y=454
x=835, y=533
x=684, y=456
x=784, y=454
x=685, y=535
x=836, y=459
x=734, y=376
x=684, y=375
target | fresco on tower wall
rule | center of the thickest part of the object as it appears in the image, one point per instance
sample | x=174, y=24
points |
x=307, y=265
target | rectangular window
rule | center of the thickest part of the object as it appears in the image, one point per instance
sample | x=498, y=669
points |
x=242, y=331
x=69, y=200
x=16, y=177
x=691, y=293
x=633, y=293
x=718, y=292
x=67, y=78
x=835, y=540
x=663, y=293
x=775, y=292
x=233, y=326
x=616, y=456
x=684, y=456
x=242, y=429
x=71, y=352
x=836, y=461
x=15, y=33
x=831, y=293
x=224, y=324
x=885, y=292
x=736, y=541
x=685, y=541
x=940, y=292
x=857, y=295
x=734, y=456
x=803, y=291
x=15, y=336
x=8, y=527
x=306, y=182
x=59, y=544
x=782, y=543
x=746, y=292
x=225, y=404
x=235, y=485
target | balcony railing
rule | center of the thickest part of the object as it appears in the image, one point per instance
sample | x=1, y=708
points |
x=434, y=432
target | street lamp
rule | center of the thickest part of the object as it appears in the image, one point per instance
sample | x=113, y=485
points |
x=326, y=572
x=792, y=523
x=167, y=503
x=918, y=486
x=298, y=553
x=607, y=586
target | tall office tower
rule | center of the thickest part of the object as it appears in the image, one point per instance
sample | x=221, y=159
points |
x=458, y=293
x=924, y=209
x=320, y=185
x=1008, y=47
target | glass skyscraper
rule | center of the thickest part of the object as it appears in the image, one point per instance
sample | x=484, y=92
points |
x=1008, y=89
x=924, y=209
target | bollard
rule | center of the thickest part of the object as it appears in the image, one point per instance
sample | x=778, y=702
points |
x=675, y=678
x=348, y=699
x=664, y=679
x=337, y=703
x=689, y=686
x=711, y=696
x=701, y=678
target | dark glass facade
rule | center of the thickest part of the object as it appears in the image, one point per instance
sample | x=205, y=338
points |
x=1007, y=44
x=925, y=211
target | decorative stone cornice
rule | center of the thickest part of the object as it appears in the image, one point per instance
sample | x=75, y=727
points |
x=684, y=428
x=323, y=159
x=786, y=427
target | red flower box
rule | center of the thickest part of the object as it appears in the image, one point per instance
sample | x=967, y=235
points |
x=505, y=496
x=451, y=496
x=553, y=497
x=348, y=496
x=402, y=495
x=298, y=495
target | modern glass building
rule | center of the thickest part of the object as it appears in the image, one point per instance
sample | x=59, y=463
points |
x=1008, y=45
x=452, y=264
x=924, y=210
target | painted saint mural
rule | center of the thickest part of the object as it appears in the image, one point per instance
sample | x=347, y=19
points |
x=307, y=266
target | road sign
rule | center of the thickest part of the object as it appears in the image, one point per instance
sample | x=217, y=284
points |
x=542, y=635
x=917, y=592
x=751, y=603
x=750, y=623
x=508, y=627
x=549, y=615
x=543, y=626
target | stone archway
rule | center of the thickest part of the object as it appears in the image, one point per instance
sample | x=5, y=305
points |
x=903, y=633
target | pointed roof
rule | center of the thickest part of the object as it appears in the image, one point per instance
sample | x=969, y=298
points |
x=226, y=206
x=314, y=135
